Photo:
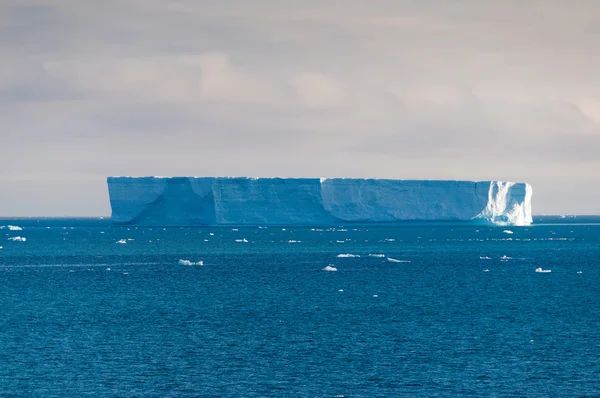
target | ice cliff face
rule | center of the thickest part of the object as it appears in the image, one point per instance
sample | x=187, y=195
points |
x=189, y=201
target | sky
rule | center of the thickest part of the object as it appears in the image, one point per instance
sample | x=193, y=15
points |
x=407, y=89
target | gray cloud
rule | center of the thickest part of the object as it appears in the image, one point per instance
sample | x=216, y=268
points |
x=396, y=89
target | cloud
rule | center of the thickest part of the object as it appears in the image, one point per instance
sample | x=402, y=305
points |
x=397, y=89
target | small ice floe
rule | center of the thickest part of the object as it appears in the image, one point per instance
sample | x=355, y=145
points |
x=18, y=239
x=212, y=234
x=508, y=231
x=375, y=295
x=125, y=273
x=188, y=262
x=294, y=241
x=341, y=290
x=234, y=229
x=0, y=247
x=130, y=239
x=543, y=271
x=389, y=240
x=102, y=232
x=242, y=240
x=348, y=255
x=505, y=258
x=108, y=269
x=579, y=272
x=484, y=258
x=330, y=267
x=14, y=228
x=486, y=270
x=376, y=255
x=121, y=241
x=283, y=229
x=395, y=260
x=340, y=241
x=206, y=240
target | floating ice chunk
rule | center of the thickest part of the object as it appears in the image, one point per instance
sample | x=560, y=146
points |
x=544, y=271
x=0, y=247
x=508, y=231
x=108, y=269
x=484, y=258
x=341, y=290
x=486, y=270
x=102, y=232
x=242, y=240
x=579, y=272
x=375, y=295
x=348, y=255
x=121, y=241
x=294, y=241
x=395, y=260
x=330, y=267
x=505, y=258
x=14, y=228
x=391, y=240
x=376, y=255
x=234, y=229
x=212, y=234
x=340, y=241
x=18, y=239
x=188, y=262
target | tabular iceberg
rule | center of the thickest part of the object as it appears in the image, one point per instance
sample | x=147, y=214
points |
x=198, y=201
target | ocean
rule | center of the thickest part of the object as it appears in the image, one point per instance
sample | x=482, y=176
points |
x=90, y=309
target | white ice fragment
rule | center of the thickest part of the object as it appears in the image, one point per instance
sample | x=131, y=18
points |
x=544, y=271
x=394, y=260
x=18, y=239
x=188, y=262
x=330, y=267
x=508, y=231
x=376, y=255
x=486, y=270
x=242, y=240
x=484, y=258
x=14, y=228
x=348, y=255
x=121, y=241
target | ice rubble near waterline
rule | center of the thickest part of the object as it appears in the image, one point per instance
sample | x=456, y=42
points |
x=190, y=201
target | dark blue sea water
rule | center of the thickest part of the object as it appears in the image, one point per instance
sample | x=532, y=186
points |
x=464, y=314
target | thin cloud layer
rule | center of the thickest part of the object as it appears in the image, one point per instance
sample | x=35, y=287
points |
x=391, y=89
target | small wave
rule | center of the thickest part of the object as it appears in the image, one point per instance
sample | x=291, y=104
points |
x=395, y=260
x=389, y=240
x=541, y=270
x=294, y=241
x=376, y=255
x=484, y=258
x=330, y=267
x=188, y=262
x=18, y=239
x=348, y=255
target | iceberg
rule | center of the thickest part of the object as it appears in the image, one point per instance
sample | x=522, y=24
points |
x=243, y=201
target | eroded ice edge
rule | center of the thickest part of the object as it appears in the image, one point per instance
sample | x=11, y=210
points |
x=196, y=201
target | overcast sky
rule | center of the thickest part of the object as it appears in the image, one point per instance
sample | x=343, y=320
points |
x=409, y=89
